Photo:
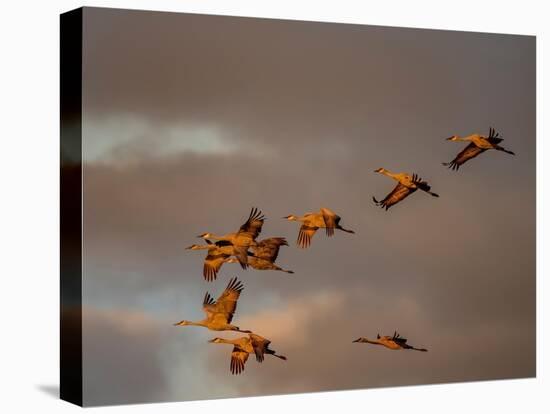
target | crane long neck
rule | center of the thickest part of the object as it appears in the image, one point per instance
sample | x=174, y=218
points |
x=368, y=341
x=205, y=247
x=237, y=329
x=227, y=341
x=389, y=174
x=216, y=237
x=199, y=323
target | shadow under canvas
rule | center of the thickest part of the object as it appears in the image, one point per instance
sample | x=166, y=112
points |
x=49, y=389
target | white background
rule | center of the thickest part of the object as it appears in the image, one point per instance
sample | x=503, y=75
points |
x=29, y=212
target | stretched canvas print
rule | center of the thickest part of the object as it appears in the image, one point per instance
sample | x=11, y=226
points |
x=257, y=207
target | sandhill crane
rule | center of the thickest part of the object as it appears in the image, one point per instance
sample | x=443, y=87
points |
x=244, y=346
x=218, y=254
x=220, y=313
x=395, y=342
x=311, y=222
x=407, y=184
x=245, y=236
x=264, y=254
x=477, y=145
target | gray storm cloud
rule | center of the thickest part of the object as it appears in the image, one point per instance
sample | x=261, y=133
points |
x=192, y=120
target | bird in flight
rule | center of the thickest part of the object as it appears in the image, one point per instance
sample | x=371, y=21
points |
x=477, y=145
x=219, y=313
x=218, y=254
x=406, y=185
x=244, y=346
x=311, y=222
x=263, y=255
x=244, y=237
x=395, y=342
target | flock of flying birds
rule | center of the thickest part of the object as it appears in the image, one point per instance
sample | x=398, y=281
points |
x=243, y=247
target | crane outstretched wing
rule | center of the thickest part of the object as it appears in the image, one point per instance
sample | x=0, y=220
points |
x=238, y=359
x=209, y=305
x=226, y=304
x=305, y=235
x=469, y=152
x=331, y=220
x=268, y=249
x=241, y=253
x=260, y=345
x=399, y=193
x=254, y=224
x=218, y=256
x=212, y=264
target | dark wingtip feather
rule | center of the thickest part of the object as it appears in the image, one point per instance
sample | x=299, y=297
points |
x=451, y=165
x=208, y=300
x=209, y=273
x=302, y=240
x=235, y=285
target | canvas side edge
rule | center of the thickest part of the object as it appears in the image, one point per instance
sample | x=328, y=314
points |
x=71, y=207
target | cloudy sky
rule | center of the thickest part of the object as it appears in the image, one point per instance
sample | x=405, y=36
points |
x=191, y=120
